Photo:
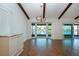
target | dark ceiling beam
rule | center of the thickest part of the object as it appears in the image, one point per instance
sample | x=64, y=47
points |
x=76, y=17
x=65, y=10
x=44, y=9
x=19, y=4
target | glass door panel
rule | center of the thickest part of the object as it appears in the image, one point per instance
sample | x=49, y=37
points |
x=49, y=30
x=33, y=30
x=41, y=29
x=76, y=30
x=68, y=31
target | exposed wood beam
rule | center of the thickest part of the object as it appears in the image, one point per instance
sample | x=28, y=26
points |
x=19, y=4
x=44, y=9
x=76, y=17
x=65, y=10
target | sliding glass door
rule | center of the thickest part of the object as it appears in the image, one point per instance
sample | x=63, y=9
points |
x=76, y=30
x=71, y=30
x=68, y=31
x=41, y=30
x=33, y=29
x=49, y=29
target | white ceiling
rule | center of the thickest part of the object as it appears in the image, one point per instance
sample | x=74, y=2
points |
x=33, y=9
x=53, y=10
x=72, y=12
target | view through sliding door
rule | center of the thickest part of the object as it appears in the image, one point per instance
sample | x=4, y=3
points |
x=68, y=31
x=76, y=30
x=33, y=30
x=71, y=30
x=41, y=30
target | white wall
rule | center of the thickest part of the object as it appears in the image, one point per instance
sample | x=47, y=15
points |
x=13, y=21
x=57, y=26
x=4, y=26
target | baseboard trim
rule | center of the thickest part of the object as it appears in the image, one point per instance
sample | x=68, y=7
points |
x=20, y=52
x=27, y=39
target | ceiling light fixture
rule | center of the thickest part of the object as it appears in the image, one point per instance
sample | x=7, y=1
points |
x=40, y=18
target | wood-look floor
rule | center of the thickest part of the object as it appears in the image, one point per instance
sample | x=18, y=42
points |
x=49, y=47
